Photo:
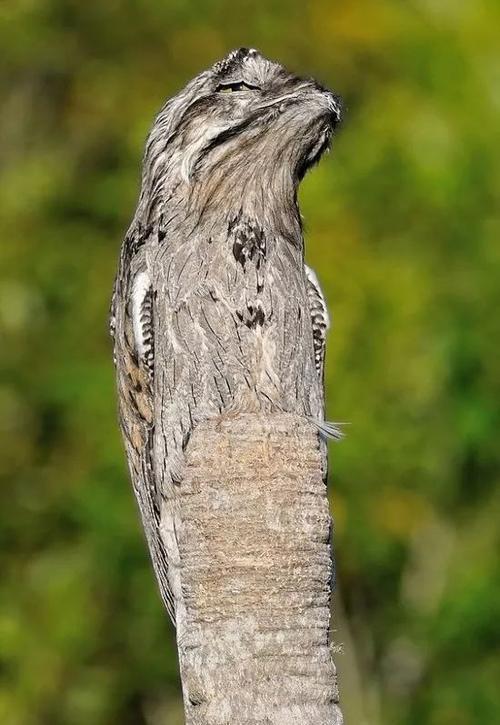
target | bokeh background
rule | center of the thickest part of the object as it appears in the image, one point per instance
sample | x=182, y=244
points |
x=402, y=228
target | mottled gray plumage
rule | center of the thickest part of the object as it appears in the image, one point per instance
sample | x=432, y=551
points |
x=213, y=311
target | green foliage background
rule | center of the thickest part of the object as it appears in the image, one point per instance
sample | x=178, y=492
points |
x=402, y=229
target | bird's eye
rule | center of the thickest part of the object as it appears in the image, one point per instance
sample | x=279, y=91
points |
x=236, y=86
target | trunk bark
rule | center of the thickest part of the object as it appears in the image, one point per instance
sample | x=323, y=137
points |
x=251, y=566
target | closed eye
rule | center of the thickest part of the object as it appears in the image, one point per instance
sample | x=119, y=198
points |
x=236, y=86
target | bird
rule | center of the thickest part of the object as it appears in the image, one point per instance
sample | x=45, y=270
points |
x=214, y=311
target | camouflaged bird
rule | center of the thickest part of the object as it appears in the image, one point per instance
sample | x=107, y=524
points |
x=214, y=311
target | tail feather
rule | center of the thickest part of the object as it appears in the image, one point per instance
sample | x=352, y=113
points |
x=328, y=429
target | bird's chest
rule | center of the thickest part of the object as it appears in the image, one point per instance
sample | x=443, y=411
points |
x=236, y=304
x=244, y=270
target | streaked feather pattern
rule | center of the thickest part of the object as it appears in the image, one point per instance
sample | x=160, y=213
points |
x=213, y=312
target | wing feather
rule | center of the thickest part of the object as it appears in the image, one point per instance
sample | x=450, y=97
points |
x=132, y=317
x=320, y=319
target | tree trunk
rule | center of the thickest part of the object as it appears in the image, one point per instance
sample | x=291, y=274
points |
x=251, y=566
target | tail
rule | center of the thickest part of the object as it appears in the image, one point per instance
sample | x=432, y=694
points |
x=328, y=429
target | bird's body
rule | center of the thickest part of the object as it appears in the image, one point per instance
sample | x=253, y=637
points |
x=214, y=312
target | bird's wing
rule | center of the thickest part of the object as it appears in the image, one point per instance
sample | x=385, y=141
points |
x=131, y=325
x=320, y=321
x=319, y=318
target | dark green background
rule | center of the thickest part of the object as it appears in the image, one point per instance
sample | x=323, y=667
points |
x=403, y=231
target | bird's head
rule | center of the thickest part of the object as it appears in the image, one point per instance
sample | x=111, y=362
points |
x=242, y=126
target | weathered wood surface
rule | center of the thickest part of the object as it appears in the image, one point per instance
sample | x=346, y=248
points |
x=253, y=567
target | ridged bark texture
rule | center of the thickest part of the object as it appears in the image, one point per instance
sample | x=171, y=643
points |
x=253, y=567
